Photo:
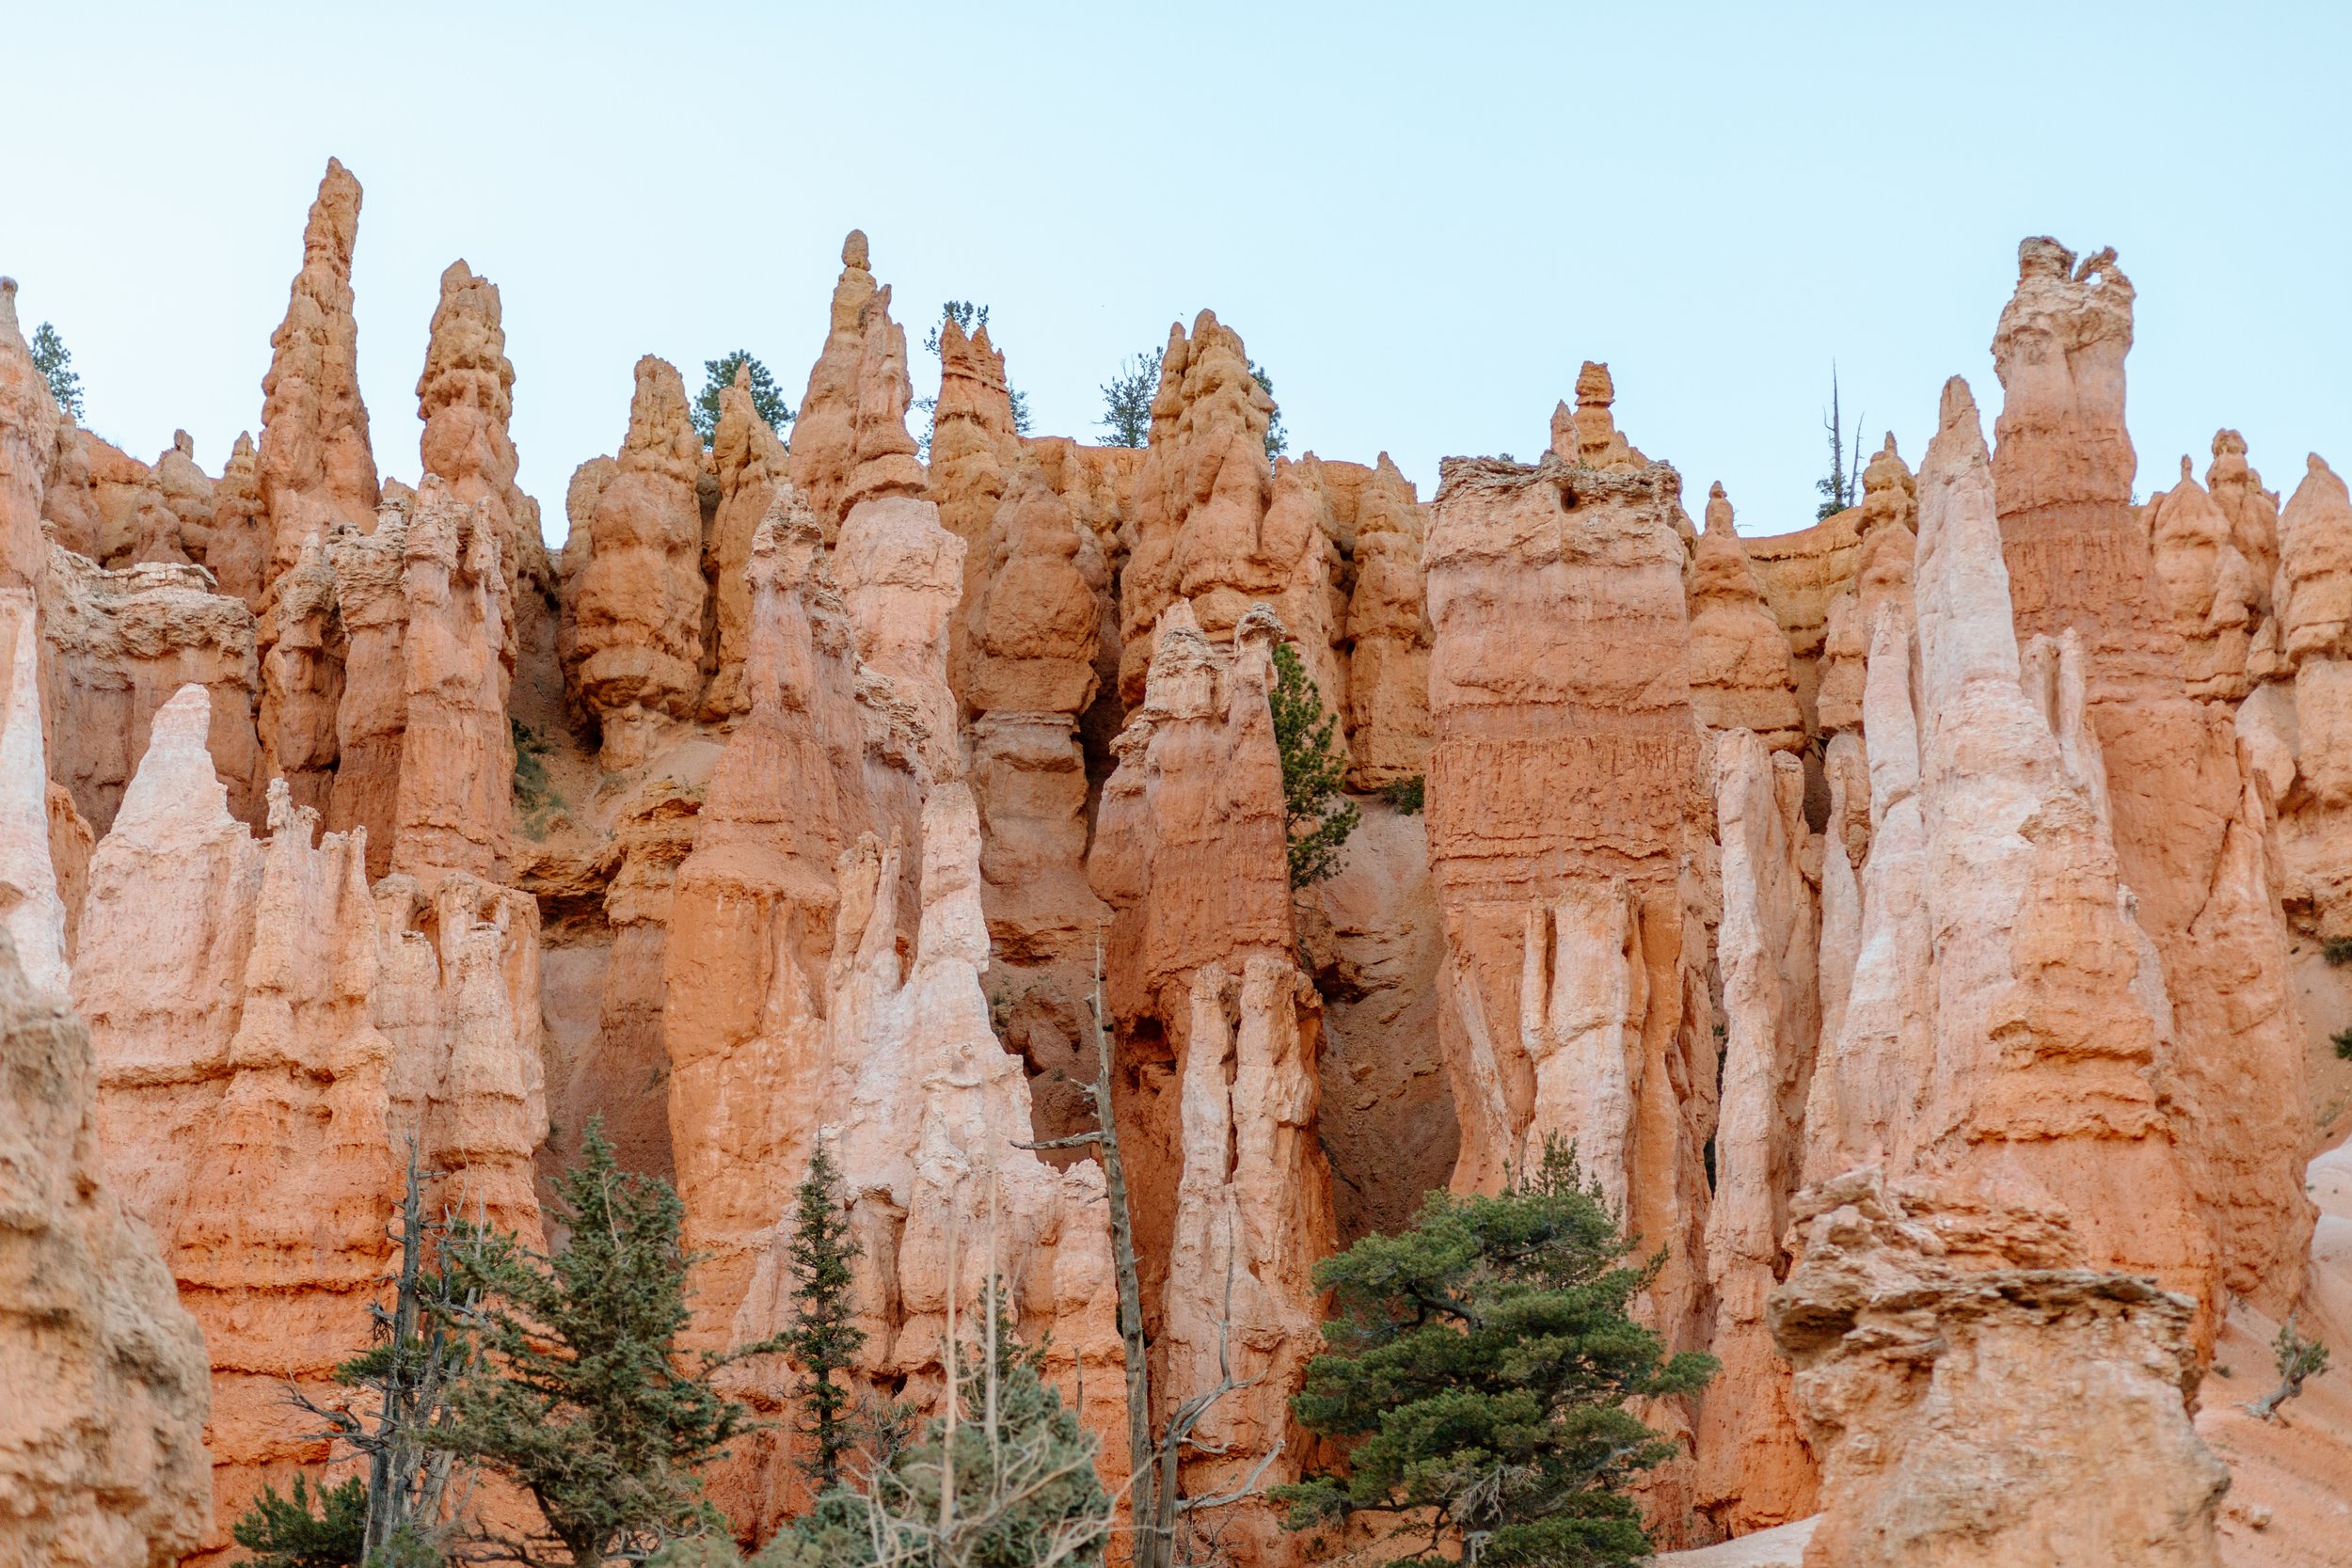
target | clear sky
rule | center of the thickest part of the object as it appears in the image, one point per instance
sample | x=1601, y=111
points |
x=1420, y=218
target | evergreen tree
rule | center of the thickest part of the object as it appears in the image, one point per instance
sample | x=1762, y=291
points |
x=56, y=363
x=576, y=1392
x=1276, y=443
x=1842, y=488
x=767, y=399
x=822, y=1339
x=1314, y=765
x=283, y=1533
x=1480, y=1366
x=1127, y=399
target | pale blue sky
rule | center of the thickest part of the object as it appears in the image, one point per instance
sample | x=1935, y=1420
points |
x=1420, y=218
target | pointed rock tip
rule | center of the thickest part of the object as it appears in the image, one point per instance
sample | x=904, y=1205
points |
x=1958, y=404
x=1718, y=509
x=175, y=779
x=743, y=377
x=1594, y=384
x=856, y=254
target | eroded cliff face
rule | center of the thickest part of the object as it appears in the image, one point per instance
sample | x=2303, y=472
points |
x=101, y=1436
x=1889, y=911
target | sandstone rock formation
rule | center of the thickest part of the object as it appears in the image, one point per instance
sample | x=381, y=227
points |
x=117, y=644
x=314, y=465
x=637, y=603
x=32, y=910
x=1978, y=1395
x=237, y=552
x=301, y=638
x=750, y=463
x=2186, y=836
x=975, y=447
x=1881, y=567
x=1588, y=437
x=1388, y=632
x=242, y=1086
x=188, y=491
x=2297, y=723
x=1219, y=1035
x=2209, y=588
x=824, y=433
x=465, y=399
x=1564, y=795
x=28, y=439
x=102, y=1458
x=1739, y=658
x=1755, y=1471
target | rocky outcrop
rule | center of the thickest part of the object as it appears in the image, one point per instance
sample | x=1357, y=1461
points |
x=1214, y=524
x=1218, y=1068
x=32, y=910
x=188, y=491
x=465, y=399
x=2187, y=834
x=1588, y=437
x=1755, y=1469
x=102, y=1434
x=314, y=465
x=2297, y=725
x=117, y=644
x=752, y=911
x=301, y=637
x=1032, y=630
x=2210, y=589
x=1388, y=633
x=750, y=458
x=1565, y=794
x=237, y=551
x=135, y=522
x=29, y=422
x=1979, y=1395
x=824, y=433
x=636, y=606
x=229, y=983
x=1888, y=523
x=1739, y=659
x=974, y=448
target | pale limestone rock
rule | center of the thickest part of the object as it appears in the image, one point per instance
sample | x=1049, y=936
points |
x=2078, y=558
x=1739, y=657
x=103, y=1425
x=115, y=645
x=900, y=576
x=637, y=601
x=31, y=910
x=227, y=985
x=314, y=466
x=1755, y=1469
x=1979, y=1396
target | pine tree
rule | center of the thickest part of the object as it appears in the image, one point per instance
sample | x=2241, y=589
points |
x=55, y=362
x=1315, y=766
x=767, y=399
x=283, y=1533
x=1127, y=399
x=1480, y=1366
x=576, y=1392
x=822, y=1339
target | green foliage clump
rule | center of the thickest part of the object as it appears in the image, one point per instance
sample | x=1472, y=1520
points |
x=1405, y=795
x=767, y=399
x=55, y=362
x=2337, y=951
x=824, y=1337
x=1276, y=443
x=534, y=796
x=1127, y=399
x=1318, y=818
x=577, y=1392
x=2298, y=1358
x=2343, y=1044
x=1480, y=1366
x=285, y=1532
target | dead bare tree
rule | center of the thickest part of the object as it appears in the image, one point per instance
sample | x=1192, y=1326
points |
x=1155, y=1504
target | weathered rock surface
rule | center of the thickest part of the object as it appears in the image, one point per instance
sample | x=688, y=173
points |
x=1565, y=794
x=750, y=463
x=2188, y=833
x=32, y=909
x=1739, y=657
x=636, y=606
x=1978, y=1395
x=118, y=643
x=314, y=466
x=1387, y=632
x=102, y=1431
x=29, y=422
x=824, y=433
